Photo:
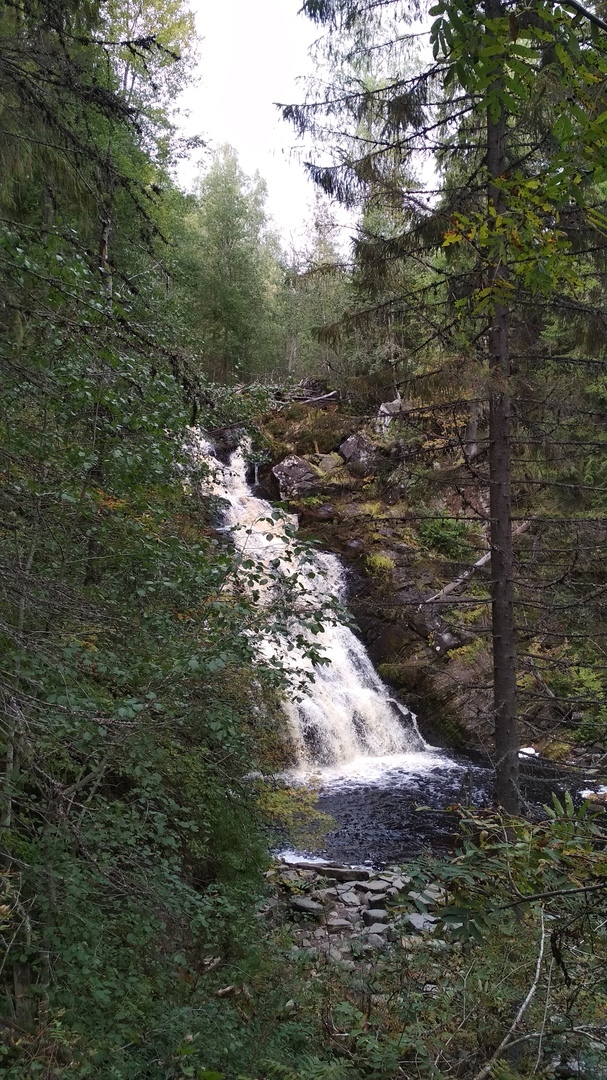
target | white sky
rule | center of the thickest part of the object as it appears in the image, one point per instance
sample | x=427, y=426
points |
x=251, y=55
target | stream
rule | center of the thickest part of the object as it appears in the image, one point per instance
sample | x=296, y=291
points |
x=386, y=788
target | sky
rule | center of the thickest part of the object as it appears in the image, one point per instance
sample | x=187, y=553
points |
x=252, y=54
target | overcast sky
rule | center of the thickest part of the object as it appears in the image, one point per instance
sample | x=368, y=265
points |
x=251, y=55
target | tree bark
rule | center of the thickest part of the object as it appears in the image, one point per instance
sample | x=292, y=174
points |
x=500, y=484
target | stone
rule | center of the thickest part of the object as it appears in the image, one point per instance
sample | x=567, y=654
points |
x=359, y=454
x=329, y=462
x=375, y=941
x=377, y=928
x=349, y=965
x=376, y=886
x=335, y=926
x=296, y=477
x=372, y=915
x=430, y=897
x=401, y=882
x=347, y=873
x=419, y=922
x=309, y=907
x=324, y=894
x=350, y=898
x=411, y=941
x=377, y=898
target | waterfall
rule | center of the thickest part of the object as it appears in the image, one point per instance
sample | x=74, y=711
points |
x=344, y=714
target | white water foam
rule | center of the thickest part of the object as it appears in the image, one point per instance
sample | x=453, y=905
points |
x=345, y=722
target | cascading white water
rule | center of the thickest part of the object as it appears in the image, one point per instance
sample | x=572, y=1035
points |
x=345, y=715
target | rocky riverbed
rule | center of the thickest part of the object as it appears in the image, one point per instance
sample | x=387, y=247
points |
x=345, y=914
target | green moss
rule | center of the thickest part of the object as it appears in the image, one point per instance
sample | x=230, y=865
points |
x=380, y=566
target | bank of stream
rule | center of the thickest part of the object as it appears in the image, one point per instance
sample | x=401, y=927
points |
x=387, y=789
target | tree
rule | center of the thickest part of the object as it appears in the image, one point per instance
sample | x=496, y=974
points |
x=506, y=109
x=232, y=257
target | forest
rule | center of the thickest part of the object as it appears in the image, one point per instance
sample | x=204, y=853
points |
x=420, y=414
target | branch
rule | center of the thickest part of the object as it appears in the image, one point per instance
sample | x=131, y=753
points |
x=484, y=559
x=486, y=1069
x=556, y=892
x=581, y=10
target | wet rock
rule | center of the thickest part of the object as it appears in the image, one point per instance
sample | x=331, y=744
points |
x=308, y=907
x=372, y=915
x=296, y=477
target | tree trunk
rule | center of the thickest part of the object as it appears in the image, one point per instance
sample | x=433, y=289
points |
x=500, y=485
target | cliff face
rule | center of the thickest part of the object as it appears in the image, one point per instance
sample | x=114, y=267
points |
x=358, y=490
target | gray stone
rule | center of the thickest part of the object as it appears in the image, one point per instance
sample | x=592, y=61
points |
x=359, y=453
x=401, y=882
x=373, y=915
x=377, y=899
x=350, y=898
x=309, y=907
x=335, y=926
x=376, y=886
x=430, y=897
x=325, y=894
x=375, y=941
x=296, y=477
x=346, y=873
x=377, y=928
x=420, y=922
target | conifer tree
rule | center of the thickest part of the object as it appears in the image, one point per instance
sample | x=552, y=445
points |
x=511, y=107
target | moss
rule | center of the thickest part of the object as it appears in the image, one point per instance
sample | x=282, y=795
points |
x=380, y=566
x=468, y=653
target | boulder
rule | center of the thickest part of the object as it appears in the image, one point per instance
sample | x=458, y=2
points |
x=359, y=454
x=373, y=915
x=309, y=907
x=295, y=477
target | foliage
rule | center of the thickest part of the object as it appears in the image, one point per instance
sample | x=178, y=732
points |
x=228, y=262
